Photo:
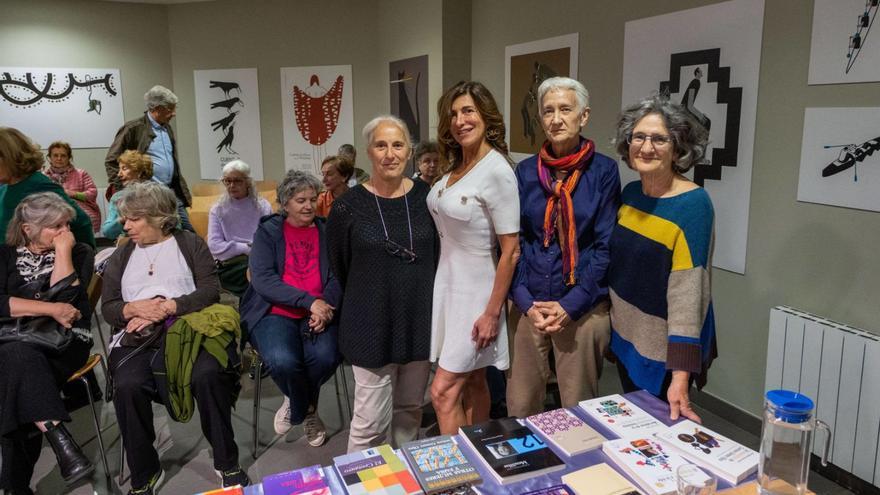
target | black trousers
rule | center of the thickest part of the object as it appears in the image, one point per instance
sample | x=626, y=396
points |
x=135, y=389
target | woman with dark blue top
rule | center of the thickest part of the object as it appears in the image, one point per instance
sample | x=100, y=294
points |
x=287, y=312
x=569, y=196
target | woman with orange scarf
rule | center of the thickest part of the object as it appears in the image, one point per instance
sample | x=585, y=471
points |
x=569, y=196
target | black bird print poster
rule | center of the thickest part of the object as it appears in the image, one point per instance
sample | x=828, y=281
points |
x=228, y=115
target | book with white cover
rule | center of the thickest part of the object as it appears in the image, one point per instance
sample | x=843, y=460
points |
x=724, y=457
x=566, y=431
x=621, y=416
x=647, y=462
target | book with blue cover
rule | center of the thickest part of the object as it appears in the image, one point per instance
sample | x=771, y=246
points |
x=439, y=464
x=510, y=450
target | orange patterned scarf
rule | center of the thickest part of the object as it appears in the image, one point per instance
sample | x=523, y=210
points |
x=559, y=198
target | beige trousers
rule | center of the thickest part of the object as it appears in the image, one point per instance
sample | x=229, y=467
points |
x=387, y=404
x=579, y=350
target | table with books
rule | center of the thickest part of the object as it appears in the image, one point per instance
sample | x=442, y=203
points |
x=566, y=451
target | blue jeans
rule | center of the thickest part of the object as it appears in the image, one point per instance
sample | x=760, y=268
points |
x=298, y=364
x=184, y=217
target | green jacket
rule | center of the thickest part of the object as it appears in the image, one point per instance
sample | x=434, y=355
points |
x=11, y=195
x=213, y=329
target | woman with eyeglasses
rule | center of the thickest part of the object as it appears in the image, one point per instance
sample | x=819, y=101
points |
x=287, y=312
x=383, y=249
x=659, y=275
x=475, y=205
x=232, y=222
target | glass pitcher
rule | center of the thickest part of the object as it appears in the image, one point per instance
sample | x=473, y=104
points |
x=786, y=441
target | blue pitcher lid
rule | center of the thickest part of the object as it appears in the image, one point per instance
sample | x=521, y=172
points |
x=791, y=407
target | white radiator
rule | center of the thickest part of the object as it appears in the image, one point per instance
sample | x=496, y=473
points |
x=837, y=366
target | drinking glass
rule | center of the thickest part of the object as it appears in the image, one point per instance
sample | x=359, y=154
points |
x=694, y=481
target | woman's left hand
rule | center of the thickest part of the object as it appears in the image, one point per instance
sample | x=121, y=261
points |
x=677, y=395
x=317, y=324
x=485, y=330
x=137, y=324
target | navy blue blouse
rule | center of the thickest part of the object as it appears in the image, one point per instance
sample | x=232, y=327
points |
x=539, y=276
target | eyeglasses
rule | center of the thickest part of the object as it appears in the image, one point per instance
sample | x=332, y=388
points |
x=230, y=182
x=657, y=140
x=395, y=249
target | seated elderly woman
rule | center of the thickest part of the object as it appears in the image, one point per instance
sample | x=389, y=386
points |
x=20, y=164
x=164, y=276
x=232, y=223
x=287, y=312
x=336, y=172
x=77, y=183
x=41, y=255
x=133, y=167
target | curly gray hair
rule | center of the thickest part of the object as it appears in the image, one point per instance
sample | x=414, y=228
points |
x=160, y=96
x=689, y=138
x=295, y=181
x=152, y=201
x=244, y=169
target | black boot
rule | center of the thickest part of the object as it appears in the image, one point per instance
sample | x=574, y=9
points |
x=74, y=465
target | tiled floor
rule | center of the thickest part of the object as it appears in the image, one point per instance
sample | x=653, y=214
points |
x=186, y=456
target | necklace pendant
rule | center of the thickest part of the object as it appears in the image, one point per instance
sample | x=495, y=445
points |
x=150, y=271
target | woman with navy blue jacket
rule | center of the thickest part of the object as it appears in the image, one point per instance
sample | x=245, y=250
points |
x=287, y=312
x=569, y=195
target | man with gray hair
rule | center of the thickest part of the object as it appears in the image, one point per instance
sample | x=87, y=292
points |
x=152, y=135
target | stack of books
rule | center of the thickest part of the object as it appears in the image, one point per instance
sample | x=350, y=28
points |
x=646, y=462
x=709, y=450
x=566, y=431
x=510, y=450
x=440, y=465
x=377, y=470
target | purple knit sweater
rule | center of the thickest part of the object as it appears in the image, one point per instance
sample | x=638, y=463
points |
x=231, y=226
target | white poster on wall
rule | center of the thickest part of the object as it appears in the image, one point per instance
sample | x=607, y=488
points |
x=80, y=106
x=708, y=61
x=840, y=157
x=317, y=114
x=843, y=46
x=228, y=120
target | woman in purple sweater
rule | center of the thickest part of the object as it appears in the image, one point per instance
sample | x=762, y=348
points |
x=232, y=223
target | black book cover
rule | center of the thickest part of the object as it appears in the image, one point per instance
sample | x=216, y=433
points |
x=511, y=450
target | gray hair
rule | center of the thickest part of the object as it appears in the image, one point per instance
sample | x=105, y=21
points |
x=562, y=84
x=160, y=96
x=371, y=126
x=152, y=201
x=347, y=150
x=295, y=181
x=39, y=210
x=689, y=138
x=242, y=167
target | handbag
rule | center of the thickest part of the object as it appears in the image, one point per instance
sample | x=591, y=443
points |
x=41, y=331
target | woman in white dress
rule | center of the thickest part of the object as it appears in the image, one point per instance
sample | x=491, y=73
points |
x=475, y=206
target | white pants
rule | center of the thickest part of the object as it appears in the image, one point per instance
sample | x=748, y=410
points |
x=387, y=404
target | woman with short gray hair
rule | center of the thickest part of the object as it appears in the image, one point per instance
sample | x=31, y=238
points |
x=384, y=249
x=287, y=312
x=232, y=222
x=659, y=273
x=40, y=257
x=164, y=276
x=569, y=195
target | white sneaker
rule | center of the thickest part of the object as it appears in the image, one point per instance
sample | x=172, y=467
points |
x=282, y=418
x=314, y=429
